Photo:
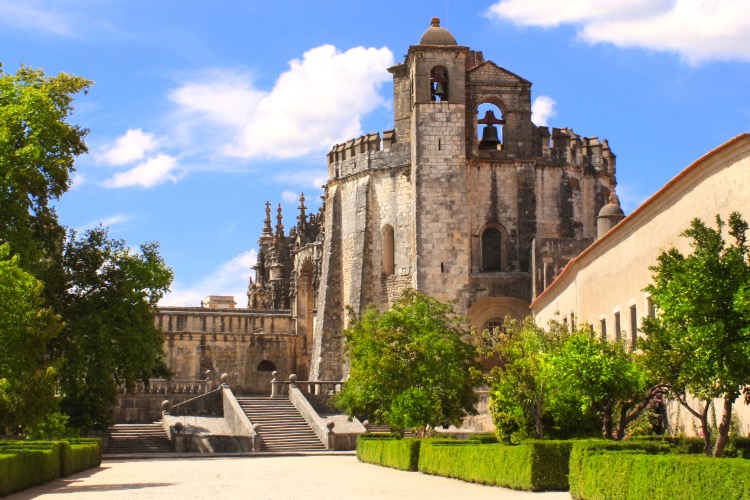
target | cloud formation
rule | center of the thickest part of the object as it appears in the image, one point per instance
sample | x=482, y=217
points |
x=32, y=15
x=129, y=148
x=697, y=30
x=317, y=102
x=542, y=109
x=231, y=278
x=154, y=171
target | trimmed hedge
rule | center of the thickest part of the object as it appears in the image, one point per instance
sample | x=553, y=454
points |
x=388, y=451
x=28, y=463
x=533, y=466
x=635, y=474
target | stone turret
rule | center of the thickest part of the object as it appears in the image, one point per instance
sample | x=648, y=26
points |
x=609, y=216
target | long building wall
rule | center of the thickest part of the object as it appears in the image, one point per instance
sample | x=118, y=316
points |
x=606, y=281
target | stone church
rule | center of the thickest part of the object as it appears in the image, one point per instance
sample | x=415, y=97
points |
x=464, y=199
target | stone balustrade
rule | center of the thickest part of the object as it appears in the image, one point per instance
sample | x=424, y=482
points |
x=163, y=386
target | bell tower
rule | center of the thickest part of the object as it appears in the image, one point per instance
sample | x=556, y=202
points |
x=437, y=122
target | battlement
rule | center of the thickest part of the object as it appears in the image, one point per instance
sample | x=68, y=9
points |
x=364, y=153
x=565, y=146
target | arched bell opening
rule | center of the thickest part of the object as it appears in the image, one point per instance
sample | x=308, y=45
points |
x=439, y=83
x=490, y=127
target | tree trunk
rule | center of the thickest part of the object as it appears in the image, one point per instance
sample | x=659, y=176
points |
x=624, y=421
x=607, y=420
x=723, y=435
x=538, y=424
x=706, y=431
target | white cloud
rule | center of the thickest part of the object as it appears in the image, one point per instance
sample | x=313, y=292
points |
x=128, y=148
x=317, y=102
x=697, y=30
x=32, y=16
x=231, y=278
x=110, y=221
x=542, y=109
x=290, y=197
x=154, y=171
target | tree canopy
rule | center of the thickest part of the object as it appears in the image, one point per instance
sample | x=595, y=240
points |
x=699, y=343
x=37, y=151
x=27, y=378
x=410, y=366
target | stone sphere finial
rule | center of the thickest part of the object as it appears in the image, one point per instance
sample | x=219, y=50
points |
x=178, y=426
x=330, y=424
x=366, y=425
x=165, y=405
x=224, y=378
x=274, y=374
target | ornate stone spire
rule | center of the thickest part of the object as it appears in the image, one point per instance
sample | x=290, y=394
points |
x=279, y=225
x=302, y=217
x=267, y=229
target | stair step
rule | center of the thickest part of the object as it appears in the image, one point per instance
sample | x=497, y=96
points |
x=282, y=428
x=138, y=438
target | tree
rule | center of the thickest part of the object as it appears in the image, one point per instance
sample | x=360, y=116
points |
x=27, y=378
x=699, y=344
x=37, y=151
x=519, y=386
x=108, y=304
x=410, y=366
x=602, y=376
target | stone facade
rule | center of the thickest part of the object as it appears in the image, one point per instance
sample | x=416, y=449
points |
x=427, y=205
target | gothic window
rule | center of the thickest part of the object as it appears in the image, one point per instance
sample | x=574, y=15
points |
x=388, y=250
x=492, y=255
x=439, y=83
x=266, y=366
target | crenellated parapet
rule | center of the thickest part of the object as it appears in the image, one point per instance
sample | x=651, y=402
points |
x=366, y=152
x=565, y=146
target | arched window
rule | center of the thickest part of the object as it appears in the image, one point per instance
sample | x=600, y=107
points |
x=388, y=251
x=266, y=366
x=439, y=83
x=490, y=126
x=492, y=254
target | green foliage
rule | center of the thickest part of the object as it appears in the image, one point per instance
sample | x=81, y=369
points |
x=37, y=150
x=388, y=451
x=519, y=388
x=591, y=373
x=109, y=300
x=630, y=474
x=52, y=426
x=534, y=466
x=409, y=366
x=700, y=341
x=79, y=454
x=27, y=378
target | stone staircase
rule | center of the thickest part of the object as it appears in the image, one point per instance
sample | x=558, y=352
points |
x=282, y=426
x=137, y=438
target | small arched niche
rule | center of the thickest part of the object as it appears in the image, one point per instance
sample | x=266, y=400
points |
x=388, y=250
x=492, y=243
x=490, y=126
x=439, y=83
x=266, y=366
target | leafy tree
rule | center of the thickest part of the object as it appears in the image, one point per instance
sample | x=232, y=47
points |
x=27, y=378
x=37, y=150
x=108, y=304
x=519, y=389
x=699, y=344
x=410, y=366
x=595, y=374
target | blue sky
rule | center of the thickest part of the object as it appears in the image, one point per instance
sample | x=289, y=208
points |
x=202, y=111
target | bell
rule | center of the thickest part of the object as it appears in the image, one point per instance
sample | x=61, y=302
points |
x=440, y=91
x=489, y=138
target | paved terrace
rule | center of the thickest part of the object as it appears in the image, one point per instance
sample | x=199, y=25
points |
x=325, y=476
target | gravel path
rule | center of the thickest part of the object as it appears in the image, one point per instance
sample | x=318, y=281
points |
x=292, y=477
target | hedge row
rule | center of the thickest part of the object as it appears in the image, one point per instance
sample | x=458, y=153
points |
x=389, y=451
x=534, y=466
x=28, y=463
x=635, y=473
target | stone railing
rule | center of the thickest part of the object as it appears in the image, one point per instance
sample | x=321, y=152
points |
x=163, y=386
x=319, y=388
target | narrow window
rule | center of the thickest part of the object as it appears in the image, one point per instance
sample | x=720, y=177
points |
x=572, y=321
x=633, y=326
x=491, y=251
x=388, y=251
x=618, y=328
x=603, y=328
x=650, y=309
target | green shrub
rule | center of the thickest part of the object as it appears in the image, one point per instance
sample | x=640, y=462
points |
x=79, y=454
x=534, y=466
x=22, y=468
x=636, y=474
x=485, y=438
x=396, y=453
x=680, y=445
